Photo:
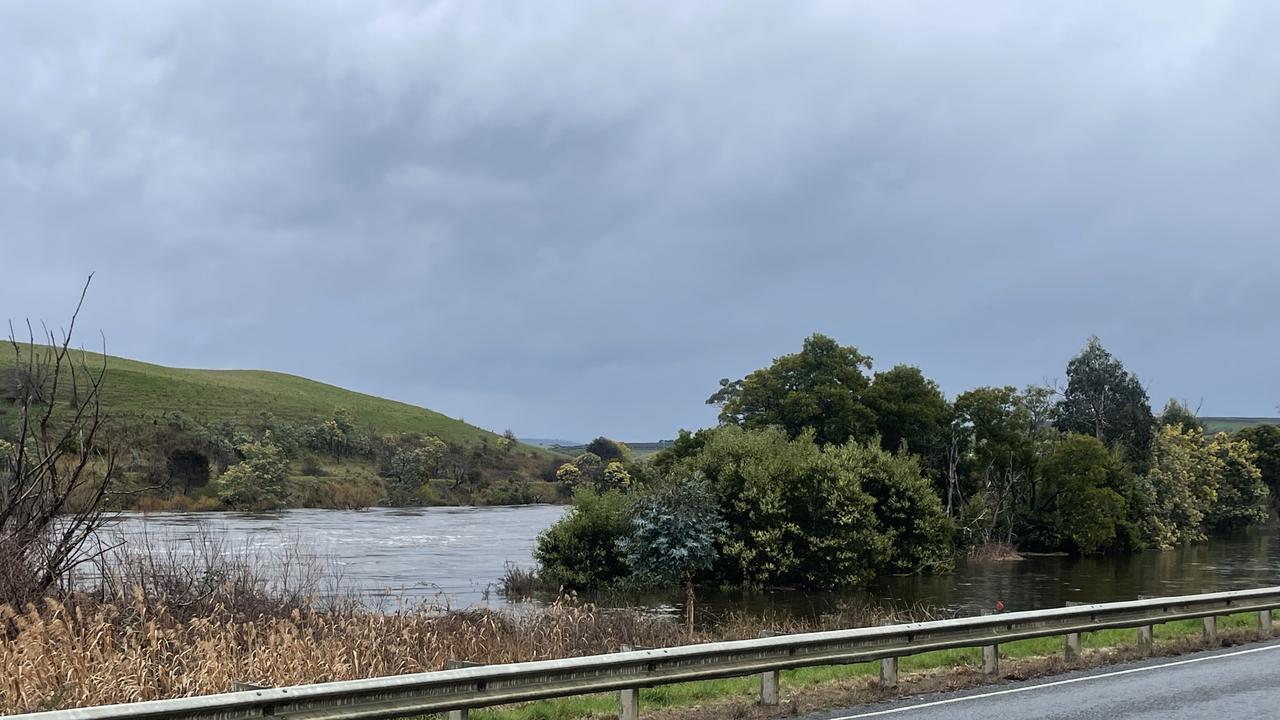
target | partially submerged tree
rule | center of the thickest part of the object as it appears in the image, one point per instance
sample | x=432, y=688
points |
x=57, y=468
x=674, y=537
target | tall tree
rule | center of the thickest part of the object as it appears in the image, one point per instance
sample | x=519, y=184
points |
x=1179, y=413
x=910, y=412
x=1265, y=442
x=1106, y=401
x=821, y=388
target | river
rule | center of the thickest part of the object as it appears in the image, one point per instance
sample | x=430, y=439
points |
x=455, y=556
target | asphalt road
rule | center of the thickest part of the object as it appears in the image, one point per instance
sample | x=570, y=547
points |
x=1238, y=682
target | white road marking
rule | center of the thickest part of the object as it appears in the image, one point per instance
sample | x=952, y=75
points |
x=1055, y=683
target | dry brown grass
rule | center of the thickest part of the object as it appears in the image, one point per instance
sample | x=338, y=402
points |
x=165, y=620
x=75, y=654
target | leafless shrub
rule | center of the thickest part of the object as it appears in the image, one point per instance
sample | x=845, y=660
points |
x=59, y=469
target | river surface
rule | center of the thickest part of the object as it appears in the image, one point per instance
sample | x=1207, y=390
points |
x=456, y=556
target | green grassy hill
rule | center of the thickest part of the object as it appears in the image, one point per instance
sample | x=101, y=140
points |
x=178, y=430
x=144, y=390
x=1232, y=424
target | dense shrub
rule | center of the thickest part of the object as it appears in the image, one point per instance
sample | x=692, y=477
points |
x=583, y=550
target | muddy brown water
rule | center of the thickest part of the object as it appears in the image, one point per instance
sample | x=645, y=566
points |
x=457, y=555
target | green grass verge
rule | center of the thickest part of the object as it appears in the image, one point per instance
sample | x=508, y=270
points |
x=684, y=695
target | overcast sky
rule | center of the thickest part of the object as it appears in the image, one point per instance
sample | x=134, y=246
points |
x=573, y=219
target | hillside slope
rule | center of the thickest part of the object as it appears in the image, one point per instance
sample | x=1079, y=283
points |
x=143, y=390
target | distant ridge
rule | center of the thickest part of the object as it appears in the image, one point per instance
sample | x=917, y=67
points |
x=1232, y=424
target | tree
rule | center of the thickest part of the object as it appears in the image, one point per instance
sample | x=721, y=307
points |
x=259, y=481
x=821, y=388
x=1083, y=505
x=794, y=516
x=569, y=474
x=508, y=441
x=910, y=411
x=907, y=510
x=615, y=477
x=674, y=541
x=1106, y=401
x=1181, y=487
x=1178, y=413
x=583, y=550
x=996, y=466
x=1265, y=442
x=410, y=467
x=57, y=468
x=591, y=467
x=609, y=450
x=1242, y=497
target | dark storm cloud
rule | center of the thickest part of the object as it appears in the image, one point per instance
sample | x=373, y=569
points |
x=573, y=219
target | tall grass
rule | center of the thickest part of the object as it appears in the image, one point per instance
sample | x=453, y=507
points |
x=160, y=623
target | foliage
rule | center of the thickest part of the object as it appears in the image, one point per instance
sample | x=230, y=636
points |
x=259, y=481
x=569, y=474
x=910, y=413
x=1082, y=504
x=1105, y=400
x=1242, y=496
x=676, y=524
x=1265, y=442
x=674, y=541
x=412, y=466
x=583, y=550
x=615, y=477
x=998, y=436
x=609, y=450
x=1178, y=413
x=907, y=510
x=506, y=492
x=686, y=445
x=821, y=388
x=1182, y=487
x=795, y=518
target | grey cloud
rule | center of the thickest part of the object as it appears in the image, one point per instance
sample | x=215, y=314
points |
x=571, y=220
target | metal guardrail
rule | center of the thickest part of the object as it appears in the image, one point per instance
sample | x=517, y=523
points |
x=626, y=672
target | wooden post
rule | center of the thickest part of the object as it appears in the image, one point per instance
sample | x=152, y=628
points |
x=990, y=659
x=1264, y=621
x=463, y=713
x=889, y=673
x=629, y=704
x=1146, y=638
x=1211, y=629
x=770, y=680
x=1072, y=649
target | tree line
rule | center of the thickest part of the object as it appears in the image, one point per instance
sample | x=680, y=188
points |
x=821, y=474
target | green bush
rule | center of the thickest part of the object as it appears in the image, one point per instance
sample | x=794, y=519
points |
x=584, y=549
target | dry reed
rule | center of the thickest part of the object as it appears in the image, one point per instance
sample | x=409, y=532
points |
x=159, y=625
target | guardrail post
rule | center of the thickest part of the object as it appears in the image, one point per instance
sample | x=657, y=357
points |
x=462, y=713
x=889, y=673
x=1264, y=621
x=769, y=679
x=1072, y=649
x=1211, y=629
x=1146, y=638
x=990, y=659
x=629, y=704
